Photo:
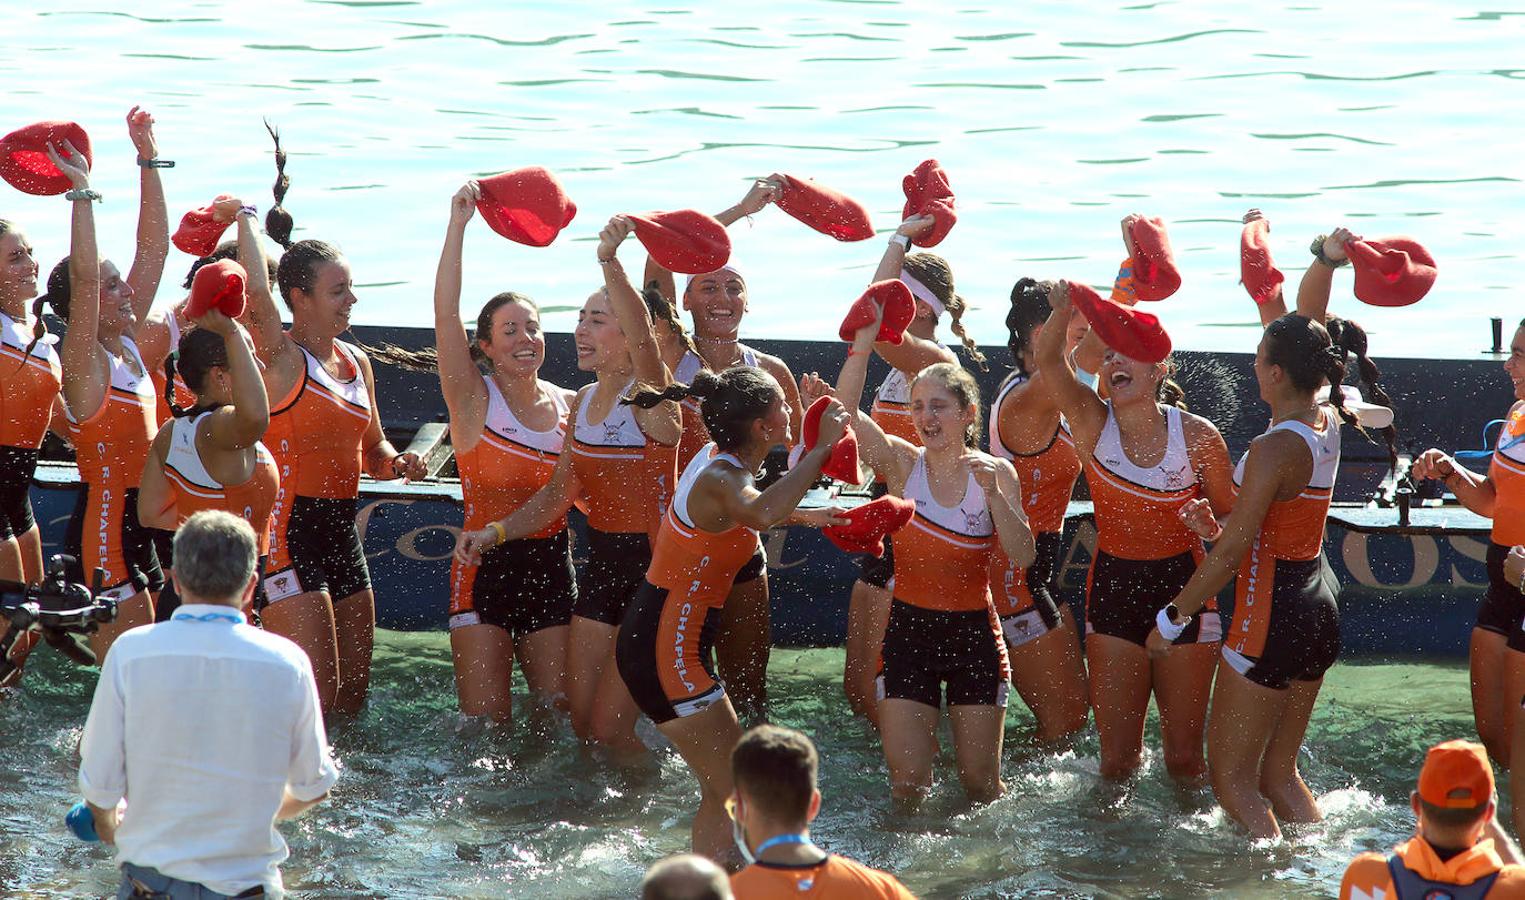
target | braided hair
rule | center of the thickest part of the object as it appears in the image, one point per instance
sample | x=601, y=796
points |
x=934, y=272
x=1029, y=309
x=729, y=402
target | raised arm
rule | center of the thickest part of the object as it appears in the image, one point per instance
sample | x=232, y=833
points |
x=1276, y=306
x=663, y=423
x=153, y=217
x=1086, y=412
x=459, y=378
x=242, y=423
x=262, y=316
x=879, y=451
x=913, y=353
x=1313, y=290
x=84, y=385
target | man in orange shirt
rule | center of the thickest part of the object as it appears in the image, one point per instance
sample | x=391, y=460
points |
x=774, y=770
x=1460, y=852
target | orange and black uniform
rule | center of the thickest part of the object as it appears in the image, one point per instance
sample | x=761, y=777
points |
x=1286, y=626
x=666, y=640
x=891, y=411
x=1416, y=871
x=1145, y=553
x=1025, y=599
x=111, y=446
x=943, y=627
x=696, y=436
x=195, y=489
x=1503, y=606
x=835, y=877
x=525, y=585
x=627, y=482
x=31, y=382
x=316, y=434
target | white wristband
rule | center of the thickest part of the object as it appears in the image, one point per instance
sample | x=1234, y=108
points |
x=900, y=239
x=1168, y=629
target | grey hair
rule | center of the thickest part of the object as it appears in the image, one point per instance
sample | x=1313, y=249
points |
x=215, y=554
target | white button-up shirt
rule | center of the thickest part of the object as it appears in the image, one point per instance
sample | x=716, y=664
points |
x=203, y=724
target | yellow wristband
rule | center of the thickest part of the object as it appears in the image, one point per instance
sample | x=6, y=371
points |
x=502, y=532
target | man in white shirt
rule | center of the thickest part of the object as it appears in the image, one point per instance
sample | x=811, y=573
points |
x=210, y=728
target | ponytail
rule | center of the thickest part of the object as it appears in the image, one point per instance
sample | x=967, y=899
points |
x=1349, y=339
x=731, y=401
x=175, y=409
x=662, y=310
x=56, y=296
x=705, y=384
x=1171, y=394
x=278, y=222
x=424, y=359
x=1029, y=309
x=956, y=325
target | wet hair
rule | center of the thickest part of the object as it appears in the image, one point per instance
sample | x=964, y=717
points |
x=1169, y=392
x=1029, y=309
x=199, y=352
x=957, y=381
x=1350, y=339
x=484, y=322
x=1305, y=350
x=662, y=310
x=1451, y=817
x=777, y=768
x=57, y=296
x=729, y=402
x=934, y=272
x=225, y=250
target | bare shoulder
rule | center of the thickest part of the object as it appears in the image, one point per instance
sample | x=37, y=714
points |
x=1199, y=428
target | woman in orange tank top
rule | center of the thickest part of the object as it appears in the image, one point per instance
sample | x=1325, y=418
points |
x=107, y=391
x=930, y=279
x=1027, y=430
x=507, y=429
x=620, y=463
x=942, y=637
x=1285, y=631
x=209, y=455
x=1144, y=459
x=707, y=535
x=325, y=430
x=717, y=303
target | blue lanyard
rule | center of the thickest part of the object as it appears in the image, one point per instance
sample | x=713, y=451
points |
x=780, y=839
x=207, y=617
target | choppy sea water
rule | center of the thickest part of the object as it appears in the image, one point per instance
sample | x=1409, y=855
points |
x=1052, y=119
x=429, y=807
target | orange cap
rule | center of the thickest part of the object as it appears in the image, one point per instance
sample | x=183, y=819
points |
x=1456, y=775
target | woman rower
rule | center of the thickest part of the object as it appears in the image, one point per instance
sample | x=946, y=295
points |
x=1285, y=632
x=1027, y=430
x=942, y=627
x=107, y=391
x=209, y=456
x=707, y=535
x=717, y=302
x=930, y=279
x=621, y=464
x=507, y=427
x=1144, y=458
x=324, y=430
x=27, y=407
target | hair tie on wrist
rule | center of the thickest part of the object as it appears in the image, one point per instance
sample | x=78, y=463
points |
x=156, y=163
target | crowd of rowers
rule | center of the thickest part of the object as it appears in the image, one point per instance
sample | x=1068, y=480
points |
x=213, y=402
